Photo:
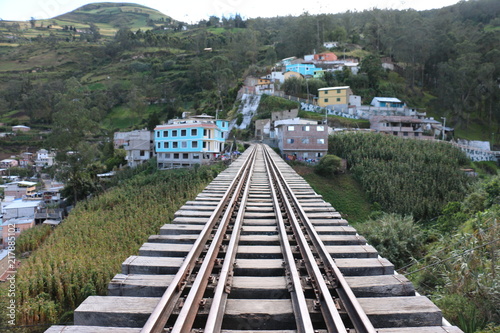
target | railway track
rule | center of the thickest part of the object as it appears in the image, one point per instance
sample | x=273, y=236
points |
x=258, y=251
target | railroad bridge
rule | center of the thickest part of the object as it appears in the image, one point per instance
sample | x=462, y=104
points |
x=258, y=251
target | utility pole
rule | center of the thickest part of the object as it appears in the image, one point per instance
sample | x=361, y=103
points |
x=444, y=125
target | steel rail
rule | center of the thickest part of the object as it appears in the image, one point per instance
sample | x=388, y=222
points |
x=189, y=310
x=354, y=310
x=219, y=300
x=329, y=309
x=159, y=317
x=301, y=311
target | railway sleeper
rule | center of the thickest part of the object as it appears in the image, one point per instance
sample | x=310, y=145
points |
x=264, y=314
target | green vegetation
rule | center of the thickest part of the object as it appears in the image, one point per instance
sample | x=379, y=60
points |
x=341, y=190
x=460, y=269
x=80, y=257
x=397, y=238
x=268, y=104
x=409, y=177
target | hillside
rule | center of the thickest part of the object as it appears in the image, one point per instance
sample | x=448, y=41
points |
x=136, y=65
x=107, y=17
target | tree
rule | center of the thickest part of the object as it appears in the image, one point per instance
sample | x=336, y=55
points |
x=94, y=32
x=372, y=67
x=329, y=165
x=73, y=127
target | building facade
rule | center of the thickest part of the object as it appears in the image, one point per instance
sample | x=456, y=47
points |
x=301, y=139
x=194, y=140
x=306, y=70
x=336, y=96
x=138, y=145
x=398, y=125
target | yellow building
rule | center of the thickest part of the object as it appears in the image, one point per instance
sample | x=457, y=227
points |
x=334, y=96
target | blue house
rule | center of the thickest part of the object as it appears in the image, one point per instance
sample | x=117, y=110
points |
x=387, y=102
x=304, y=69
x=193, y=140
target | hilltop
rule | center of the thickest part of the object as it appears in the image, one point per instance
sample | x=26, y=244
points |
x=107, y=17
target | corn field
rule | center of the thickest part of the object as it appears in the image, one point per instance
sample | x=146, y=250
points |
x=409, y=177
x=82, y=255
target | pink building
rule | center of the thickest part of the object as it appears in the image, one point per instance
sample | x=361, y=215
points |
x=302, y=139
x=12, y=228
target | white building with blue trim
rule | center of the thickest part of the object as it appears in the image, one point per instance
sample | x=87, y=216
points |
x=194, y=140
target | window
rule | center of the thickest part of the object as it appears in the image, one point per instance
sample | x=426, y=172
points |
x=165, y=145
x=184, y=144
x=306, y=155
x=338, y=99
x=338, y=91
x=183, y=132
x=158, y=134
x=321, y=141
x=290, y=140
x=176, y=156
x=319, y=154
x=405, y=133
x=158, y=145
x=142, y=153
x=174, y=133
x=175, y=145
x=167, y=155
x=194, y=144
x=395, y=133
x=416, y=134
x=305, y=140
x=305, y=128
x=165, y=134
x=320, y=128
x=196, y=156
x=185, y=156
x=326, y=100
x=291, y=128
x=194, y=132
x=326, y=92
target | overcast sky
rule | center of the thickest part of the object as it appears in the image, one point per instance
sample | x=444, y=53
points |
x=192, y=11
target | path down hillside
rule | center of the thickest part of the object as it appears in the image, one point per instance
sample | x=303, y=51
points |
x=248, y=107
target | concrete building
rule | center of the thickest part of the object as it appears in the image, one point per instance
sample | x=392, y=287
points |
x=301, y=139
x=18, y=190
x=139, y=146
x=9, y=163
x=398, y=125
x=21, y=208
x=44, y=158
x=262, y=129
x=194, y=140
x=14, y=227
x=306, y=70
x=285, y=114
x=334, y=97
x=387, y=102
x=20, y=128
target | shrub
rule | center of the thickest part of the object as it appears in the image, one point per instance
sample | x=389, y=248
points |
x=329, y=165
x=395, y=237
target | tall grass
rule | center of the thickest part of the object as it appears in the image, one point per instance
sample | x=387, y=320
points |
x=80, y=257
x=409, y=177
